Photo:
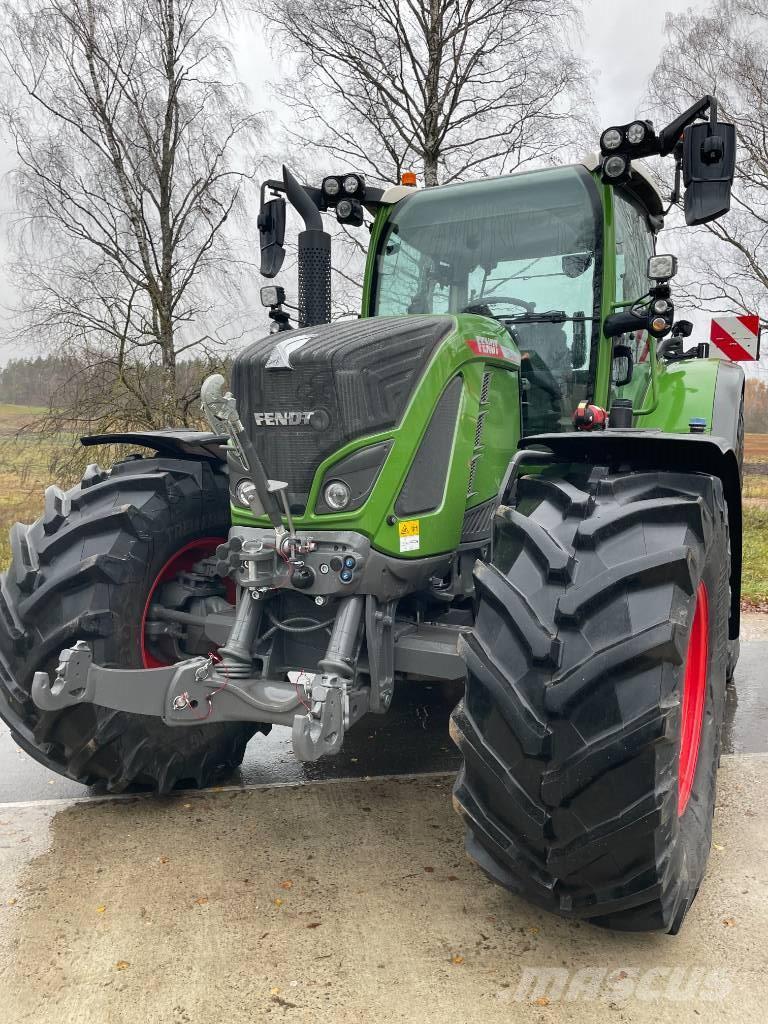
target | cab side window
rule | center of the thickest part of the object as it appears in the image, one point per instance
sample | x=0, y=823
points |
x=634, y=244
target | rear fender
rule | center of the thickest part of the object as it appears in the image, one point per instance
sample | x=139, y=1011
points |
x=654, y=450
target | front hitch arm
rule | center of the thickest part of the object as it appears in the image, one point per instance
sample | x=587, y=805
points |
x=186, y=693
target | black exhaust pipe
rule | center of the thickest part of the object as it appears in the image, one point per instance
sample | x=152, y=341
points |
x=314, y=257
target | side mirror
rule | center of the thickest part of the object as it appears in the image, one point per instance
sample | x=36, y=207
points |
x=271, y=224
x=623, y=366
x=709, y=162
x=576, y=263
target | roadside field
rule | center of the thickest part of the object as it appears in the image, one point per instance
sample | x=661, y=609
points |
x=24, y=475
x=756, y=448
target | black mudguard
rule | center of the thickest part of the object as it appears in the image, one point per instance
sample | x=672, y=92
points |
x=175, y=443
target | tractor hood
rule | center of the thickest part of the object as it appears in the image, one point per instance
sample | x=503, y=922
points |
x=304, y=394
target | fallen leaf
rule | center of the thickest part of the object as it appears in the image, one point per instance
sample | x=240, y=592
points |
x=717, y=846
x=278, y=901
x=12, y=901
x=274, y=991
x=729, y=922
x=453, y=878
x=122, y=965
x=457, y=959
x=201, y=900
x=187, y=807
x=314, y=924
x=287, y=884
x=101, y=909
x=533, y=930
x=429, y=870
x=542, y=1001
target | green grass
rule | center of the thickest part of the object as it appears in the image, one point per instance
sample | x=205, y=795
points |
x=24, y=461
x=754, y=586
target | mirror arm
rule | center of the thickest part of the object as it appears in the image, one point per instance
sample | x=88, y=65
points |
x=671, y=135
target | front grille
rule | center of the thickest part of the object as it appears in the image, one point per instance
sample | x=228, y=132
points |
x=485, y=387
x=354, y=377
x=472, y=473
x=479, y=429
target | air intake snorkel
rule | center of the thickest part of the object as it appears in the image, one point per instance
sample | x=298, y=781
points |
x=314, y=256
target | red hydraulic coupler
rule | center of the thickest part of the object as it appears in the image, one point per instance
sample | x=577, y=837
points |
x=589, y=417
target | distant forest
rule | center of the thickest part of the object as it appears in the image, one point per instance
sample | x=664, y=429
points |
x=49, y=380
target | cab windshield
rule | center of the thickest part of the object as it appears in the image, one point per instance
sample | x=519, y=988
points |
x=522, y=249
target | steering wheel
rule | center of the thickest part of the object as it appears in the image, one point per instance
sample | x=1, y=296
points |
x=484, y=302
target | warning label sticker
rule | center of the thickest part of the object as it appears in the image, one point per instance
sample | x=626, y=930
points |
x=409, y=534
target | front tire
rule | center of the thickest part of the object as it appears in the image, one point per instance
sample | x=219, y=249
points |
x=590, y=727
x=86, y=571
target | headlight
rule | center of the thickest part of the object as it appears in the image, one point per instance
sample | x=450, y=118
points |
x=636, y=133
x=614, y=166
x=349, y=211
x=351, y=184
x=331, y=186
x=245, y=492
x=660, y=306
x=336, y=495
x=662, y=268
x=611, y=139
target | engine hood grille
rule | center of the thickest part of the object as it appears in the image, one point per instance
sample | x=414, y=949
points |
x=302, y=395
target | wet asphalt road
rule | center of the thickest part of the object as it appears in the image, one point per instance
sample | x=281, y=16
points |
x=411, y=738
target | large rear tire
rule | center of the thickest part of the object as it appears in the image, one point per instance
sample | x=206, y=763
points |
x=85, y=571
x=590, y=727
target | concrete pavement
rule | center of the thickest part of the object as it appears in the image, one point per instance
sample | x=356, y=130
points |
x=346, y=901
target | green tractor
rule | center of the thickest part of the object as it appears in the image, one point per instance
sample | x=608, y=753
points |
x=510, y=470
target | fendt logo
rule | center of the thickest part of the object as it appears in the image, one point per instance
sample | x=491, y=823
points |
x=283, y=418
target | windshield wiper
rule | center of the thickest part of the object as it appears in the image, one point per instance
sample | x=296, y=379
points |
x=552, y=316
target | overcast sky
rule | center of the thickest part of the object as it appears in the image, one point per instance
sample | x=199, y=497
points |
x=622, y=41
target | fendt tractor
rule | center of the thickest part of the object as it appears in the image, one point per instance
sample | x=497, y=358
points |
x=512, y=469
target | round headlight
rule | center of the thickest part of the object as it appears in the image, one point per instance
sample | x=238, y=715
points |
x=660, y=306
x=331, y=186
x=336, y=495
x=659, y=324
x=615, y=166
x=611, y=139
x=350, y=184
x=343, y=209
x=636, y=133
x=245, y=492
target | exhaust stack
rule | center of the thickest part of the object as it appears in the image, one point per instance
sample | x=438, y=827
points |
x=314, y=257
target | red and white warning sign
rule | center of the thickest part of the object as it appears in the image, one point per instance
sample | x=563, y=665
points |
x=736, y=337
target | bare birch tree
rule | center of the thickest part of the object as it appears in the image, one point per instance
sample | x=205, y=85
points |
x=450, y=88
x=724, y=50
x=131, y=135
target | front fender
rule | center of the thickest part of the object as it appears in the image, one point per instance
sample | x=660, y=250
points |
x=173, y=443
x=653, y=450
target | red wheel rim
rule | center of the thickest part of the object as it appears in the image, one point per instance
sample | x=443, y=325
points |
x=694, y=698
x=182, y=561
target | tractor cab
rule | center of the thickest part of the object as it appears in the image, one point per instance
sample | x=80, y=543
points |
x=524, y=250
